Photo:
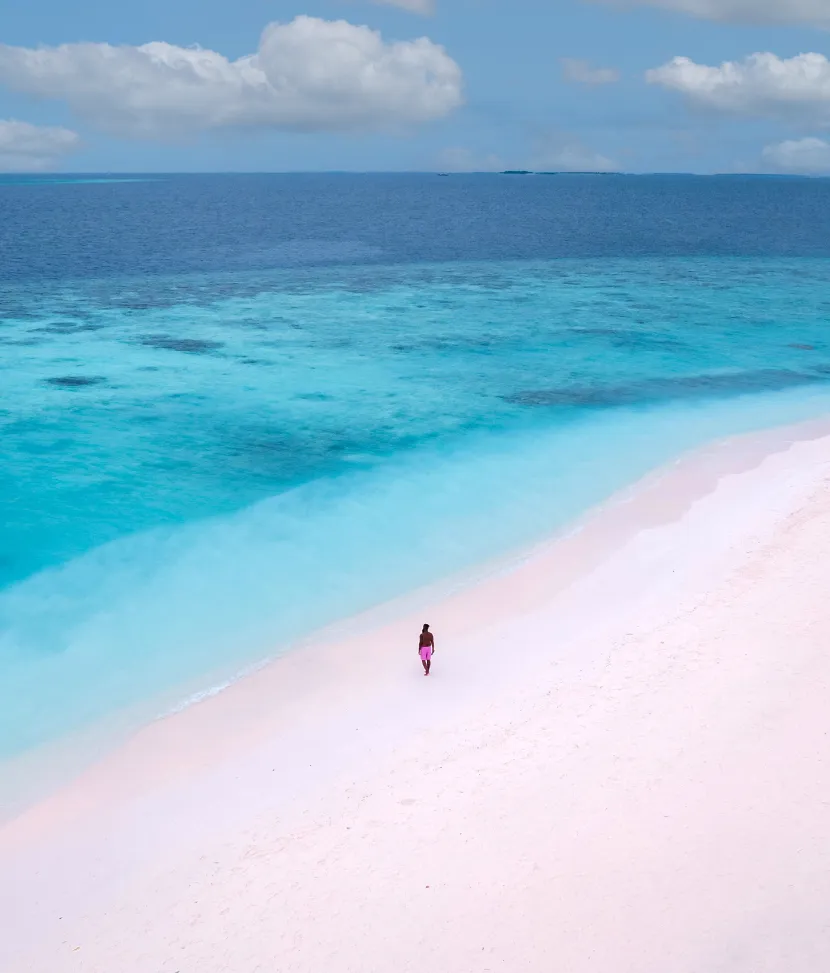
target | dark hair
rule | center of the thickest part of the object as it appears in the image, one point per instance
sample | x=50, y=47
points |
x=425, y=627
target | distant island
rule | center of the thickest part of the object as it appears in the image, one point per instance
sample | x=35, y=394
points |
x=535, y=172
x=616, y=172
x=567, y=172
x=669, y=175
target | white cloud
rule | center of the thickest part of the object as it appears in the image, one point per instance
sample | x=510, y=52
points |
x=309, y=75
x=562, y=154
x=423, y=7
x=33, y=148
x=745, y=11
x=809, y=156
x=761, y=85
x=581, y=72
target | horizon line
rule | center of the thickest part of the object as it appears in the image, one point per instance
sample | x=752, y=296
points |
x=404, y=172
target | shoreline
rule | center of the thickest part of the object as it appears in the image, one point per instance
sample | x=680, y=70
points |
x=32, y=777
x=340, y=711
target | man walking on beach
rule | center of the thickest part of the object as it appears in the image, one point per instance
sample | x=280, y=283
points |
x=426, y=646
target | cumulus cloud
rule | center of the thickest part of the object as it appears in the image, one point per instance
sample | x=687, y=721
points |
x=745, y=11
x=33, y=148
x=762, y=85
x=310, y=75
x=807, y=156
x=581, y=72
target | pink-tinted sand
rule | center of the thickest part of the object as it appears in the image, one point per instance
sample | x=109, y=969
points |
x=619, y=762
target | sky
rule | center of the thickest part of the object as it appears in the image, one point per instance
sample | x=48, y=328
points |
x=415, y=85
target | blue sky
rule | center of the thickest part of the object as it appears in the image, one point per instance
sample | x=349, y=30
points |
x=556, y=85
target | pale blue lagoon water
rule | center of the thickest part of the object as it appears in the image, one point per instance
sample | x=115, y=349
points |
x=239, y=442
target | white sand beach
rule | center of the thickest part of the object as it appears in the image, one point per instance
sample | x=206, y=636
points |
x=619, y=764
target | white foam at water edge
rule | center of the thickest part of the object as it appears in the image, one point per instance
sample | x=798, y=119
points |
x=213, y=690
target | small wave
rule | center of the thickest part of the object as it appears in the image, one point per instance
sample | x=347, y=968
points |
x=204, y=694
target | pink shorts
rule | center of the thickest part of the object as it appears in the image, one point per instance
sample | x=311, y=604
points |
x=425, y=652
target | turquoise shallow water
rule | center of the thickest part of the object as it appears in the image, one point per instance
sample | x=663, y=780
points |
x=202, y=465
x=231, y=470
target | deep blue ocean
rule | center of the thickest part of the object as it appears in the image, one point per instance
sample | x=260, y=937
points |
x=236, y=408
